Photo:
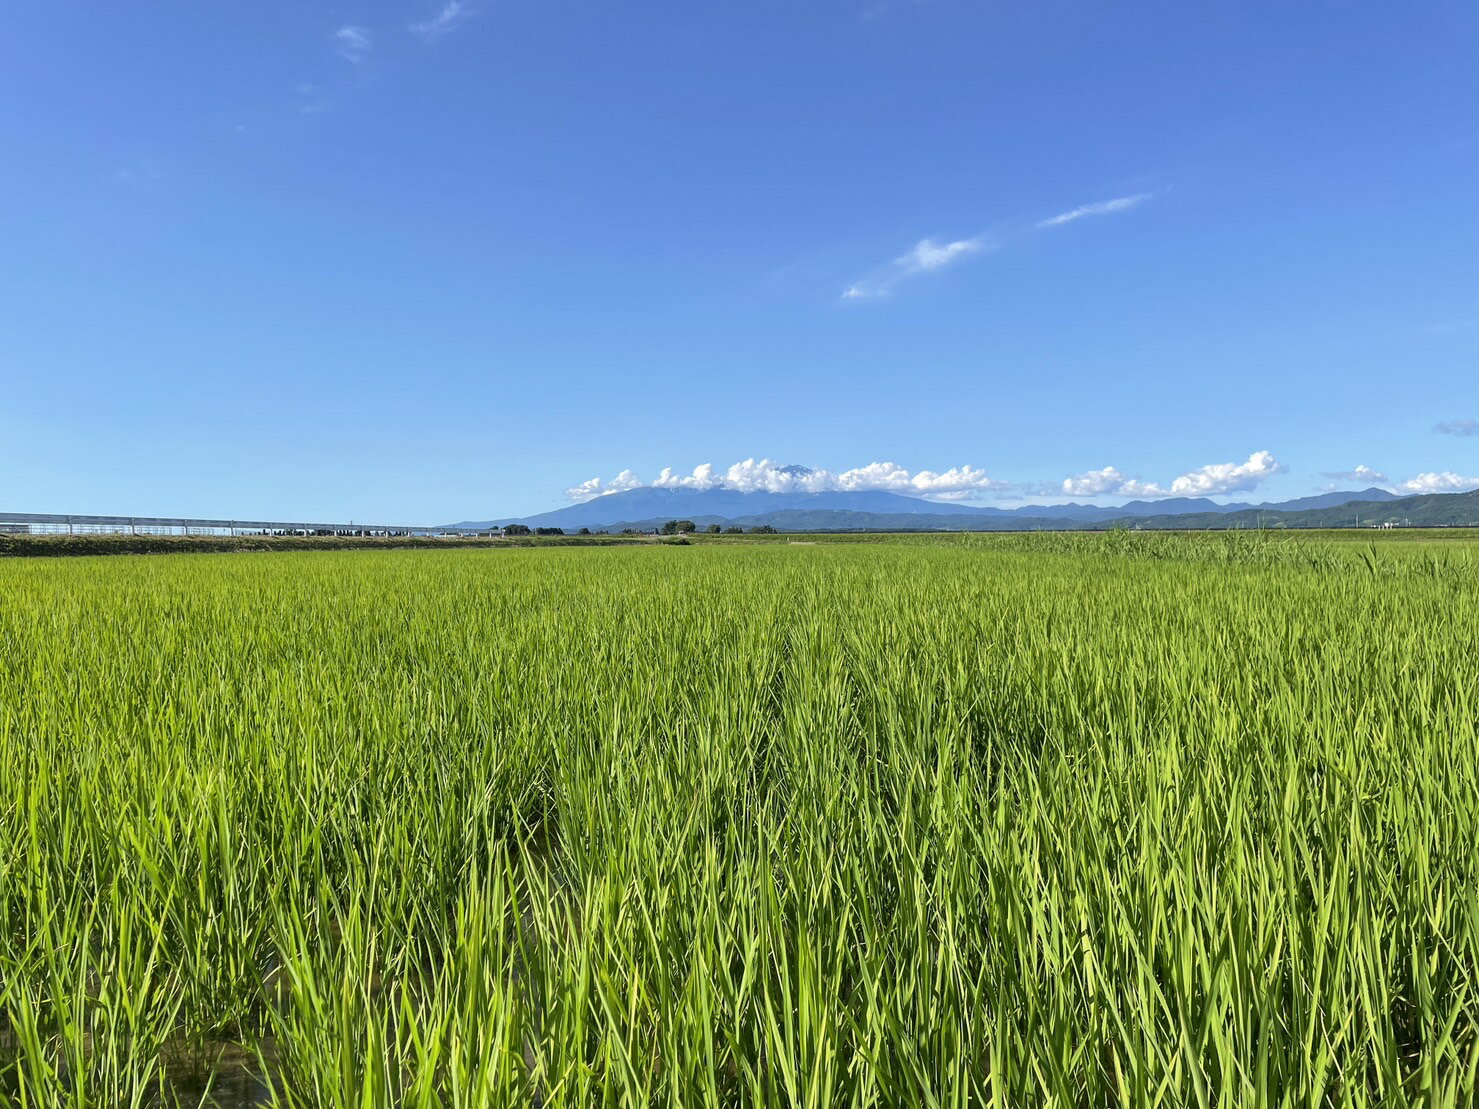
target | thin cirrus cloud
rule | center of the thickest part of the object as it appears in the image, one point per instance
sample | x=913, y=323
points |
x=312, y=99
x=928, y=256
x=356, y=44
x=1463, y=427
x=447, y=19
x=352, y=43
x=1206, y=481
x=140, y=177
x=1102, y=208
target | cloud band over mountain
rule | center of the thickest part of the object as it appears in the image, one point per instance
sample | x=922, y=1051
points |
x=957, y=483
x=970, y=483
x=765, y=476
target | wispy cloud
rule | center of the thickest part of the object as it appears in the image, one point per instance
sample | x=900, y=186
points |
x=352, y=43
x=925, y=256
x=1102, y=208
x=447, y=19
x=141, y=177
x=766, y=476
x=311, y=98
x=1463, y=427
x=1205, y=481
x=1360, y=473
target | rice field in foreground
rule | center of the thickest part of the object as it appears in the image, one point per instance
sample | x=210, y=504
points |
x=1015, y=821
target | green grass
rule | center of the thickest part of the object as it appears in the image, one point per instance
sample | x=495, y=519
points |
x=1005, y=820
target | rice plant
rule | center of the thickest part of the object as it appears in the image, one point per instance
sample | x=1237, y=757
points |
x=987, y=820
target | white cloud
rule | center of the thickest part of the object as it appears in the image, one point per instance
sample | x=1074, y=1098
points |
x=1445, y=482
x=595, y=487
x=451, y=13
x=765, y=476
x=1102, y=208
x=1360, y=473
x=925, y=256
x=1227, y=477
x=1219, y=477
x=1458, y=427
x=1093, y=483
x=703, y=477
x=957, y=483
x=352, y=43
x=1109, y=482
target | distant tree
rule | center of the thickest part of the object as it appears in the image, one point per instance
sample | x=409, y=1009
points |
x=549, y=531
x=678, y=527
x=713, y=529
x=734, y=530
x=517, y=529
x=583, y=531
x=763, y=529
x=630, y=531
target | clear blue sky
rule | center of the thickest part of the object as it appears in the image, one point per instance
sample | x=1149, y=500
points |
x=423, y=261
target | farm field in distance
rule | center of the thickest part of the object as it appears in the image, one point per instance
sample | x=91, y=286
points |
x=1010, y=820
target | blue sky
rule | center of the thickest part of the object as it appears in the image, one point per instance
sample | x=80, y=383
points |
x=424, y=261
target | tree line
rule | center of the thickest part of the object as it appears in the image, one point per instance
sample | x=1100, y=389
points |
x=671, y=527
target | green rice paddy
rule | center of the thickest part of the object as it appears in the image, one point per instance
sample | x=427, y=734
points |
x=975, y=821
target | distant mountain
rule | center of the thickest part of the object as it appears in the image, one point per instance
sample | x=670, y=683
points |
x=1180, y=506
x=722, y=504
x=1326, y=500
x=1425, y=510
x=1428, y=510
x=646, y=508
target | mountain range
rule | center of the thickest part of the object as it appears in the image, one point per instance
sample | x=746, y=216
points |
x=873, y=510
